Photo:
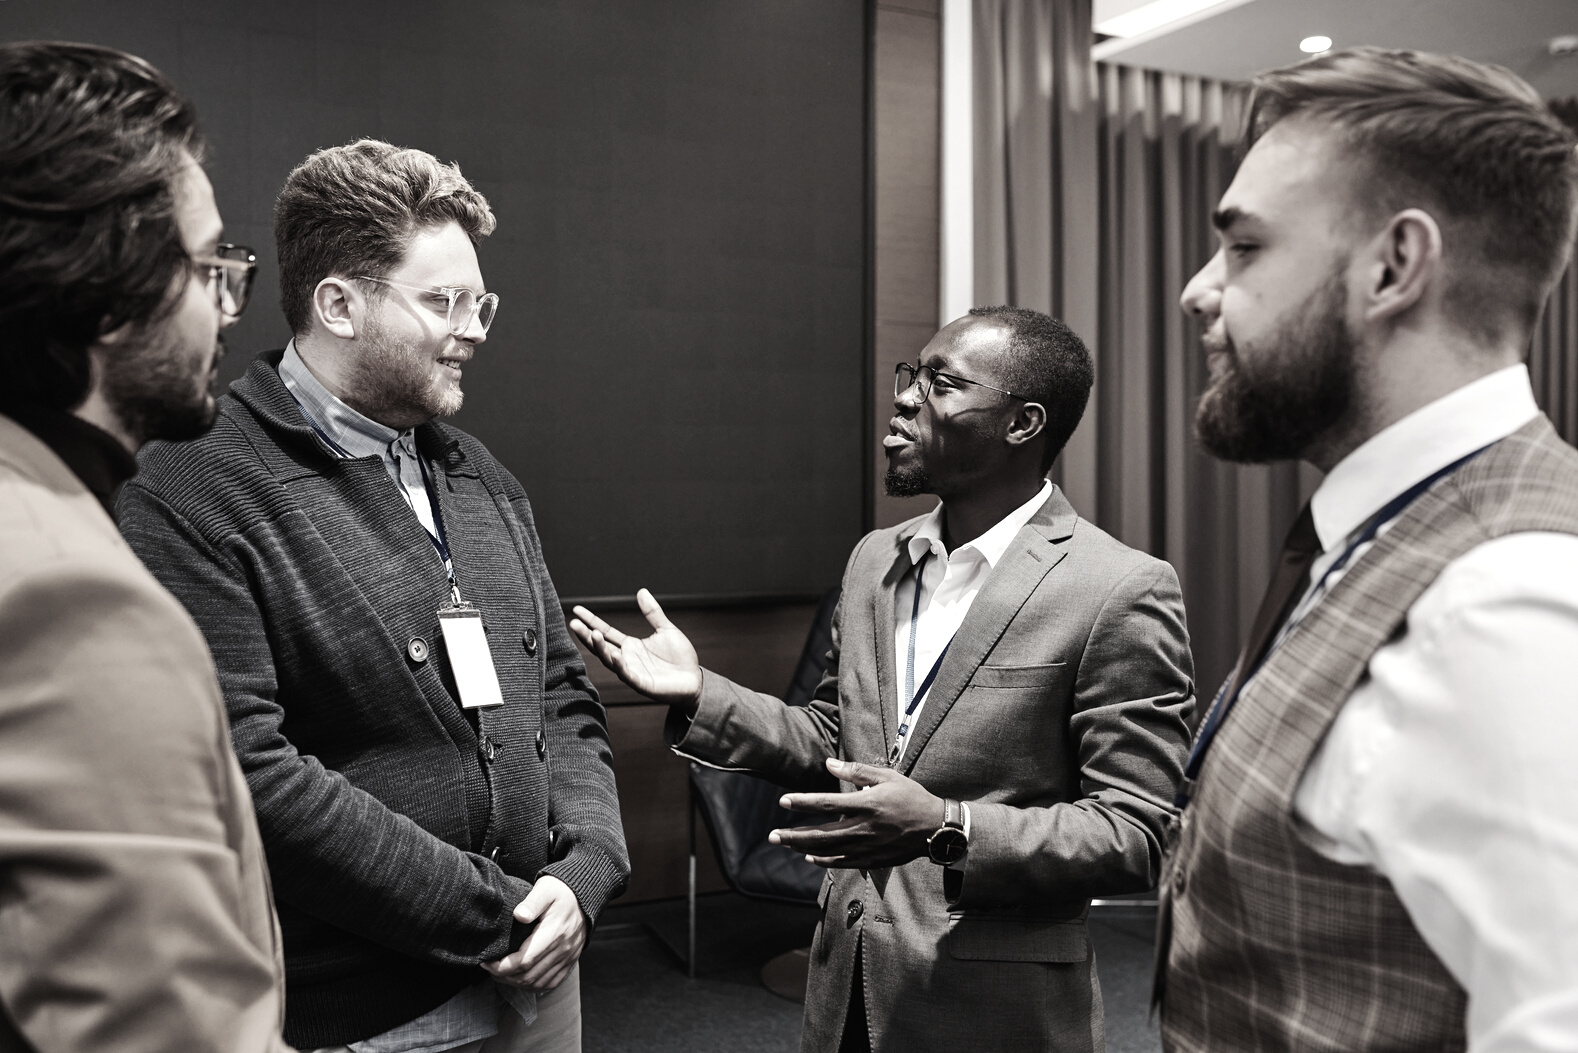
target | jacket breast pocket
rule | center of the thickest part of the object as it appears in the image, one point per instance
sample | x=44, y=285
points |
x=982, y=938
x=1018, y=676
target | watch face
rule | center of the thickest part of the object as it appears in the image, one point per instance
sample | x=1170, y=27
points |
x=947, y=846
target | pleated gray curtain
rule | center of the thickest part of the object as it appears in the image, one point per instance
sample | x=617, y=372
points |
x=1553, y=357
x=1094, y=188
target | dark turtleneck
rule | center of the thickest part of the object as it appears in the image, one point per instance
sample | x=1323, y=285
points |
x=94, y=455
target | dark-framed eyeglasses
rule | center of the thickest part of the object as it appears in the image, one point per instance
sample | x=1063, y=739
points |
x=906, y=376
x=229, y=271
x=464, y=305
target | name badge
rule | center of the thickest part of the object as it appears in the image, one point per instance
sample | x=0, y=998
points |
x=469, y=657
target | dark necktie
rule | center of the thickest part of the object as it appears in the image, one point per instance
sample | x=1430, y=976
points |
x=1288, y=583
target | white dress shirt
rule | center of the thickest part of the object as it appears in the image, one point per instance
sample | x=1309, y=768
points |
x=1452, y=769
x=951, y=583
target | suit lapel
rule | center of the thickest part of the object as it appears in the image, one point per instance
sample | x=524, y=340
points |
x=882, y=618
x=1033, y=553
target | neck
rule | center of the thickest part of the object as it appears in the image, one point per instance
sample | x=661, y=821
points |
x=1410, y=372
x=97, y=412
x=966, y=516
x=328, y=365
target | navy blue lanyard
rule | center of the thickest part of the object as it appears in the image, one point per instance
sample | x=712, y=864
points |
x=1227, y=697
x=916, y=694
x=441, y=539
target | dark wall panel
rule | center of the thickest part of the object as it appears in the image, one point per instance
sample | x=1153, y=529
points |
x=676, y=369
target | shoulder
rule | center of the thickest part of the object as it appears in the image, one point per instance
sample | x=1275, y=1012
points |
x=1099, y=554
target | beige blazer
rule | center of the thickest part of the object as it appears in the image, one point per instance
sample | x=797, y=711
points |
x=134, y=900
x=1058, y=714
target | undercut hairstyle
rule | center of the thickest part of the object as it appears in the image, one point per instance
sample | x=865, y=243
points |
x=1471, y=144
x=352, y=210
x=92, y=141
x=1045, y=362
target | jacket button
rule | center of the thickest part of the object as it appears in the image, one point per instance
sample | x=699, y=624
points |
x=855, y=911
x=530, y=638
x=416, y=650
x=542, y=745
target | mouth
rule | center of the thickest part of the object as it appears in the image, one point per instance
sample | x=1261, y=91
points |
x=898, y=435
x=451, y=364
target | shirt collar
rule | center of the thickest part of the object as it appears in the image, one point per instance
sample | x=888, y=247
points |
x=1425, y=441
x=357, y=435
x=990, y=546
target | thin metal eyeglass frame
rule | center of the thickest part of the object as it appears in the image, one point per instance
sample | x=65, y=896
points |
x=230, y=275
x=453, y=293
x=915, y=371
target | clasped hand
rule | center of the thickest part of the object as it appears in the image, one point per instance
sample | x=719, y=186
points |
x=885, y=823
x=546, y=956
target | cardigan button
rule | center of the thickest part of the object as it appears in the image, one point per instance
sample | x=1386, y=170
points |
x=416, y=650
x=542, y=745
x=530, y=639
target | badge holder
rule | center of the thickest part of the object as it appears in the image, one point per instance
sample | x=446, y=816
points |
x=469, y=657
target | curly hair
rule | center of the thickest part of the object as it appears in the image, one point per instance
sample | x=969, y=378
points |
x=352, y=209
x=91, y=142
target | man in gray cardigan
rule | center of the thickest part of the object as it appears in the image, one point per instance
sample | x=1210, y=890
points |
x=1016, y=728
x=435, y=800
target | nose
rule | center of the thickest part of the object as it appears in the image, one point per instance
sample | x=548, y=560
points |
x=474, y=333
x=908, y=401
x=1202, y=297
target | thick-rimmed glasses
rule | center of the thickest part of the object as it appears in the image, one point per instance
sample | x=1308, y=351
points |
x=906, y=376
x=464, y=305
x=230, y=271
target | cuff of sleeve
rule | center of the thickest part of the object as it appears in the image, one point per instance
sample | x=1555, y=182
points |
x=593, y=877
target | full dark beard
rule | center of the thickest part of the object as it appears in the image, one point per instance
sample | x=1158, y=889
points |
x=1276, y=403
x=906, y=482
x=155, y=395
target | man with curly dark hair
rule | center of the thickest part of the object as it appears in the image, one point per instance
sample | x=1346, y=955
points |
x=135, y=909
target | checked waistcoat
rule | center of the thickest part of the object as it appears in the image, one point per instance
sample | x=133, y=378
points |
x=1273, y=946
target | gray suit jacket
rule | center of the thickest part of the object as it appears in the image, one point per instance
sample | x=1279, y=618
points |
x=1058, y=714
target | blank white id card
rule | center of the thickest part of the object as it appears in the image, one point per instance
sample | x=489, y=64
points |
x=469, y=657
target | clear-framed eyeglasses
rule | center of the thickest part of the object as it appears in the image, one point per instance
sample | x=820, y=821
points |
x=230, y=271
x=464, y=305
x=906, y=376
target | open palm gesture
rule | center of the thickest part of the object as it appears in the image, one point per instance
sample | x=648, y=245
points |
x=662, y=666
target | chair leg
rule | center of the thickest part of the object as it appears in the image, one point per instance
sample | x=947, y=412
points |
x=690, y=957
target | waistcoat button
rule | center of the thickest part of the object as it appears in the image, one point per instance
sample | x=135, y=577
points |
x=1180, y=883
x=416, y=650
x=855, y=911
x=530, y=638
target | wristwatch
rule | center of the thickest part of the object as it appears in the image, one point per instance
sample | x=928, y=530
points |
x=948, y=845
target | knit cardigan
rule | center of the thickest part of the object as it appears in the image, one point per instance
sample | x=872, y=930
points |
x=401, y=830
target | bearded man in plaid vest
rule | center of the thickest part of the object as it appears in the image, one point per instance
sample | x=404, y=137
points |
x=1379, y=842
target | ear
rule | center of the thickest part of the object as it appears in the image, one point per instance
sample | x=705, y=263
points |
x=1404, y=265
x=338, y=306
x=1030, y=421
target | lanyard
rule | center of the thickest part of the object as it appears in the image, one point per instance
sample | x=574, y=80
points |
x=915, y=695
x=1227, y=697
x=440, y=540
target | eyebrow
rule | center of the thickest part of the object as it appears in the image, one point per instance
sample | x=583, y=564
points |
x=1223, y=218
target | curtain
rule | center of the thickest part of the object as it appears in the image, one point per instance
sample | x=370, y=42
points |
x=1094, y=189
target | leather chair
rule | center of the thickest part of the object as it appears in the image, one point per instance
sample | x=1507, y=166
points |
x=740, y=809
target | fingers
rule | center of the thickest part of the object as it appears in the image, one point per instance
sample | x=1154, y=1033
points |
x=595, y=624
x=654, y=613
x=858, y=774
x=826, y=803
x=828, y=839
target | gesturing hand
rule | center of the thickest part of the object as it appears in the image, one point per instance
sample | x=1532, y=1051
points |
x=663, y=666
x=886, y=824
x=545, y=957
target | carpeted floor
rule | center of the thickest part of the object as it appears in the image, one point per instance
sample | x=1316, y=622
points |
x=636, y=998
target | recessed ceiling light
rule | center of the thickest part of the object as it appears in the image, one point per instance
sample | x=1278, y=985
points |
x=1315, y=45
x=1153, y=15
